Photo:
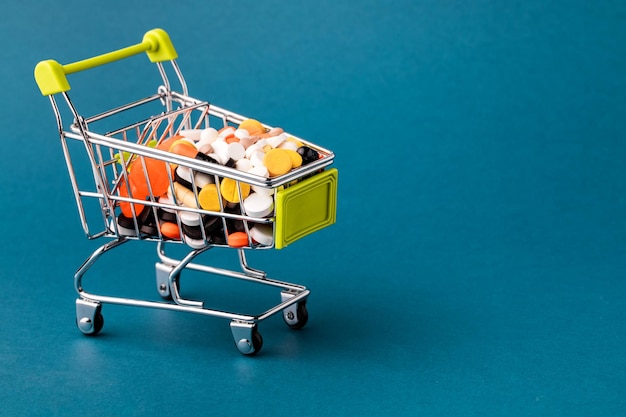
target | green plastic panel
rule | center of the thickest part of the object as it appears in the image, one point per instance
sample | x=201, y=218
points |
x=306, y=207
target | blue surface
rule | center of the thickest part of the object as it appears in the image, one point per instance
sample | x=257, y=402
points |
x=478, y=262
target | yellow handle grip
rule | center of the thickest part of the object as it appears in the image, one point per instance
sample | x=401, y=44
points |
x=51, y=76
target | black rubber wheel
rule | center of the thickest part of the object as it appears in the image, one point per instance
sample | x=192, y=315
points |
x=257, y=342
x=98, y=323
x=302, y=315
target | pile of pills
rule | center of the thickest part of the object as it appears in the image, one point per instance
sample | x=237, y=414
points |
x=250, y=147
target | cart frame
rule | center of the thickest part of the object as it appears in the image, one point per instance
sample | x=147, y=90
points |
x=110, y=173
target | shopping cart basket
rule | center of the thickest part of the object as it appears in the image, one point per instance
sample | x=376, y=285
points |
x=175, y=177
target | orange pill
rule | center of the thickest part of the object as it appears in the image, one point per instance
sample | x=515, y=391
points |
x=277, y=161
x=167, y=143
x=237, y=239
x=126, y=206
x=231, y=139
x=144, y=171
x=254, y=127
x=230, y=191
x=184, y=148
x=170, y=230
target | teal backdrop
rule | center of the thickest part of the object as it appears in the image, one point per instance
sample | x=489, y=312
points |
x=478, y=260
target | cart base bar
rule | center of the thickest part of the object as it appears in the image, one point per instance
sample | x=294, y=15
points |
x=244, y=327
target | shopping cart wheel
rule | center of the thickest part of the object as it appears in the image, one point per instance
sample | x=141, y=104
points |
x=89, y=319
x=247, y=337
x=296, y=315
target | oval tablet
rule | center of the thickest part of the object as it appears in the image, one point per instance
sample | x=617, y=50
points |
x=193, y=134
x=237, y=239
x=170, y=230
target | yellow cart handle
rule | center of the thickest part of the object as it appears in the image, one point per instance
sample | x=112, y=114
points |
x=51, y=76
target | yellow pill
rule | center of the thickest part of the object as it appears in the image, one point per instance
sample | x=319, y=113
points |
x=277, y=161
x=254, y=127
x=209, y=198
x=296, y=158
x=230, y=191
x=294, y=140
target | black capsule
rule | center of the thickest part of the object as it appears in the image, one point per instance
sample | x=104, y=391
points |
x=308, y=154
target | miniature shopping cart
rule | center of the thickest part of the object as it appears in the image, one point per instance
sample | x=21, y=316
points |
x=133, y=185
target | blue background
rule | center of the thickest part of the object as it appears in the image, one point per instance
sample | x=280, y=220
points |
x=478, y=262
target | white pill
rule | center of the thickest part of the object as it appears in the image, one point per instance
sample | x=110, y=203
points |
x=167, y=199
x=262, y=234
x=276, y=141
x=204, y=146
x=253, y=148
x=194, y=243
x=209, y=135
x=228, y=131
x=189, y=218
x=122, y=231
x=236, y=151
x=244, y=164
x=242, y=134
x=220, y=148
x=217, y=158
x=193, y=134
x=184, y=173
x=261, y=171
x=288, y=145
x=258, y=205
x=203, y=179
x=257, y=158
x=262, y=190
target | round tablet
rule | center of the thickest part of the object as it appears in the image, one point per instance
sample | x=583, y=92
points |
x=208, y=135
x=209, y=198
x=194, y=243
x=189, y=218
x=243, y=164
x=296, y=158
x=288, y=145
x=236, y=151
x=254, y=127
x=262, y=234
x=183, y=176
x=277, y=162
x=258, y=205
x=260, y=170
x=230, y=190
x=203, y=179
